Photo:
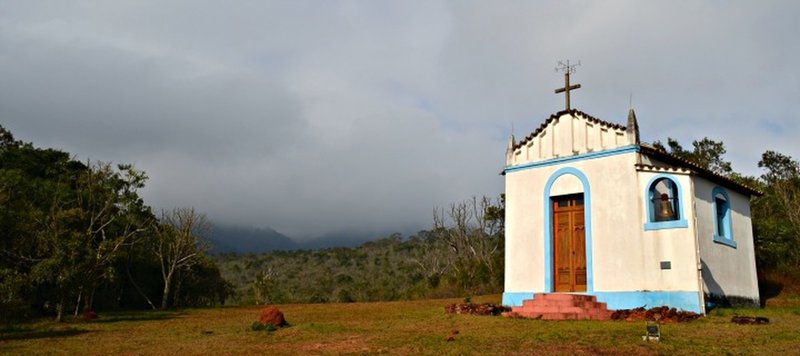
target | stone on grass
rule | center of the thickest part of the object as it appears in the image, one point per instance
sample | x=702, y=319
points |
x=475, y=309
x=89, y=315
x=272, y=316
x=743, y=320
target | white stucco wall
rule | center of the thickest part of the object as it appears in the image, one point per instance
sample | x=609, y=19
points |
x=728, y=272
x=624, y=264
x=674, y=245
x=524, y=259
x=625, y=257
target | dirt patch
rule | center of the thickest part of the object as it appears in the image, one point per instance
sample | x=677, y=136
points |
x=350, y=344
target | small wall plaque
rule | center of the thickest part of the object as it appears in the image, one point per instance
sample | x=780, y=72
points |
x=666, y=264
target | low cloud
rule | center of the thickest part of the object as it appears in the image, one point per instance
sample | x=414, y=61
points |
x=363, y=116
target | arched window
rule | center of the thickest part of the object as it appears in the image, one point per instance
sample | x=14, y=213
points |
x=721, y=205
x=664, y=206
x=664, y=200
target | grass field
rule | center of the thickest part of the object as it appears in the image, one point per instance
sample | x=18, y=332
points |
x=415, y=327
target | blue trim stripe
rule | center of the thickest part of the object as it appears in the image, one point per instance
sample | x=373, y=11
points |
x=683, y=300
x=548, y=227
x=514, y=299
x=578, y=157
x=724, y=237
x=648, y=194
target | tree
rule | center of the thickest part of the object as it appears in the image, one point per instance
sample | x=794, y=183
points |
x=112, y=215
x=776, y=215
x=706, y=153
x=181, y=243
x=434, y=258
x=475, y=242
x=203, y=285
x=69, y=229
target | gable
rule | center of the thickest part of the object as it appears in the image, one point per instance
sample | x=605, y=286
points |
x=568, y=133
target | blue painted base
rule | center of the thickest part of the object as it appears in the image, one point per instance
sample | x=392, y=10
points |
x=682, y=300
x=514, y=299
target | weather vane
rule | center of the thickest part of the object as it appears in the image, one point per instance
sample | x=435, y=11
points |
x=567, y=69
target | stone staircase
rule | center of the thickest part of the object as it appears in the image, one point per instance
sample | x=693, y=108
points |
x=558, y=306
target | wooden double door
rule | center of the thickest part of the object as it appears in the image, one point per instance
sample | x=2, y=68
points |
x=569, y=244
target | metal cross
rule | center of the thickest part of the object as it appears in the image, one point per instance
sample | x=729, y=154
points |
x=567, y=68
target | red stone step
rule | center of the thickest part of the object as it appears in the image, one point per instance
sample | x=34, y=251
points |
x=535, y=302
x=562, y=306
x=564, y=296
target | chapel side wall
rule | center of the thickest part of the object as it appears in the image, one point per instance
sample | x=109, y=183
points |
x=729, y=273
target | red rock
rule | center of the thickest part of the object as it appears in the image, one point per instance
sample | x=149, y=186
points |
x=89, y=315
x=661, y=314
x=272, y=316
x=476, y=309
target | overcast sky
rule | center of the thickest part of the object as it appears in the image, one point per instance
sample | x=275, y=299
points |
x=316, y=117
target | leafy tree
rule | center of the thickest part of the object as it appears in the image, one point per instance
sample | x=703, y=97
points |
x=113, y=215
x=776, y=215
x=203, y=285
x=267, y=288
x=70, y=232
x=706, y=153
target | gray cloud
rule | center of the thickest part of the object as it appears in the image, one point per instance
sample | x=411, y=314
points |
x=318, y=117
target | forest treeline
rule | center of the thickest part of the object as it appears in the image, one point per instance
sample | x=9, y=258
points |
x=462, y=255
x=77, y=236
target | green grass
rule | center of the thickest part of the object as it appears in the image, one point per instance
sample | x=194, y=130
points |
x=414, y=327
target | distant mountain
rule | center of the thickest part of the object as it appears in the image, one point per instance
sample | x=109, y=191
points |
x=243, y=240
x=259, y=240
x=337, y=240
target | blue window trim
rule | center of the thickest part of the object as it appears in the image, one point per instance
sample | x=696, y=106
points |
x=722, y=237
x=548, y=228
x=659, y=225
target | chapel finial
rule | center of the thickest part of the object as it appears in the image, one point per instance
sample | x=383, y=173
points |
x=567, y=69
x=510, y=148
x=633, y=127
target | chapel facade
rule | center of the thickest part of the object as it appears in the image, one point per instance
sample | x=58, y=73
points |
x=592, y=210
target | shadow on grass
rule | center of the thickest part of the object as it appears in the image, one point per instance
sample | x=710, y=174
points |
x=40, y=334
x=136, y=316
x=770, y=286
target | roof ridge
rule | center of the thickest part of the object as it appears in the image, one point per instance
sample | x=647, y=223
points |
x=705, y=171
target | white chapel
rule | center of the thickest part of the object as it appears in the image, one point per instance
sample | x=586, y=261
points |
x=592, y=210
